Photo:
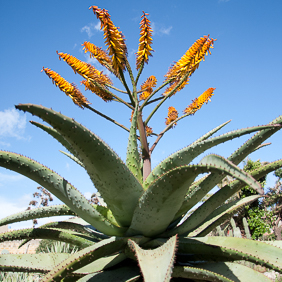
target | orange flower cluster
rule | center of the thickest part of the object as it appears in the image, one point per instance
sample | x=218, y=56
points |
x=198, y=102
x=85, y=70
x=97, y=90
x=188, y=63
x=114, y=39
x=100, y=55
x=145, y=42
x=147, y=87
x=70, y=89
x=171, y=116
x=149, y=130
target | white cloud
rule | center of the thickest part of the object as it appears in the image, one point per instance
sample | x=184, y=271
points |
x=10, y=178
x=91, y=29
x=160, y=30
x=88, y=195
x=165, y=30
x=11, y=207
x=12, y=123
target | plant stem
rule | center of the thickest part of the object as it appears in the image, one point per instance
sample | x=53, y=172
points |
x=106, y=117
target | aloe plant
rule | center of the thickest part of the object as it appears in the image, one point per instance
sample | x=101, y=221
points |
x=141, y=232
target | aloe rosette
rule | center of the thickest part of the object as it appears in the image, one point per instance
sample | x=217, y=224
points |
x=143, y=232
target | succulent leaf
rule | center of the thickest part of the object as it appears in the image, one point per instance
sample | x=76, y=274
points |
x=60, y=188
x=157, y=264
x=210, y=133
x=198, y=273
x=72, y=157
x=42, y=233
x=31, y=262
x=83, y=257
x=202, y=212
x=40, y=212
x=102, y=264
x=187, y=154
x=55, y=134
x=166, y=194
x=121, y=274
x=132, y=156
x=235, y=271
x=254, y=251
x=220, y=215
x=118, y=186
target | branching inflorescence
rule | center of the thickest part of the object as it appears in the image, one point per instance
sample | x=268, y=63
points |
x=142, y=231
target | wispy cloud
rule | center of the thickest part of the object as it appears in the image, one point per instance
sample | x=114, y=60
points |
x=165, y=30
x=10, y=177
x=220, y=1
x=91, y=29
x=160, y=30
x=12, y=124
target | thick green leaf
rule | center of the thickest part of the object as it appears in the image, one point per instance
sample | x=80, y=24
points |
x=52, y=234
x=163, y=198
x=56, y=210
x=187, y=154
x=118, y=186
x=224, y=249
x=202, y=212
x=61, y=189
x=72, y=157
x=250, y=250
x=121, y=274
x=235, y=272
x=133, y=156
x=198, y=273
x=220, y=215
x=31, y=262
x=55, y=134
x=201, y=188
x=101, y=264
x=83, y=257
x=210, y=133
x=217, y=164
x=157, y=264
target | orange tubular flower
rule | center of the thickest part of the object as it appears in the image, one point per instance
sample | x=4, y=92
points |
x=100, y=55
x=70, y=89
x=85, y=70
x=114, y=39
x=147, y=87
x=198, y=102
x=149, y=130
x=189, y=62
x=171, y=116
x=99, y=91
x=145, y=42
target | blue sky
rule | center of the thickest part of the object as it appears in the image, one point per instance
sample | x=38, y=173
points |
x=245, y=68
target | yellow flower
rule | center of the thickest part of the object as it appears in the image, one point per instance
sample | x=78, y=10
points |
x=97, y=90
x=171, y=116
x=149, y=130
x=100, y=55
x=85, y=70
x=70, y=89
x=188, y=63
x=198, y=102
x=147, y=87
x=114, y=39
x=145, y=42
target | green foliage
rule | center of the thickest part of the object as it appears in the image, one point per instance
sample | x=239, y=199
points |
x=260, y=221
x=142, y=231
x=53, y=246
